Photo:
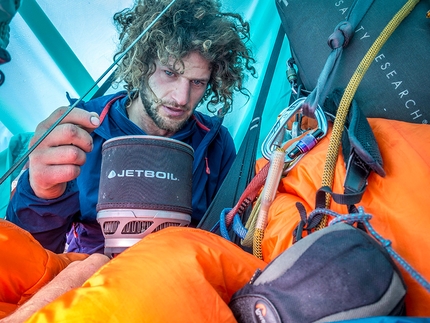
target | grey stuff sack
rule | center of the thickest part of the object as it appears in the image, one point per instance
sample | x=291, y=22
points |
x=334, y=274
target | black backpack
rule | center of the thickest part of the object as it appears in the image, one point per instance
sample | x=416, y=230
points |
x=396, y=84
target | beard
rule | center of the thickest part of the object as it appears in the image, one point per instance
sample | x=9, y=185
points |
x=151, y=104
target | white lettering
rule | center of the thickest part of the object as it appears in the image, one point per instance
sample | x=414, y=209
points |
x=407, y=104
x=417, y=115
x=379, y=57
x=403, y=93
x=149, y=173
x=260, y=315
x=343, y=10
x=359, y=29
x=385, y=66
x=161, y=175
x=392, y=73
x=366, y=35
x=143, y=173
x=397, y=84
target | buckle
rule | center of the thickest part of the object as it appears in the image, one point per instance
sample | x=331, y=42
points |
x=357, y=172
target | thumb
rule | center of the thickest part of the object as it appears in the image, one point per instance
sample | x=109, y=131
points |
x=95, y=119
x=94, y=122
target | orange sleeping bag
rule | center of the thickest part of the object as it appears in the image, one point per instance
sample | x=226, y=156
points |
x=174, y=275
x=398, y=202
x=25, y=266
x=184, y=274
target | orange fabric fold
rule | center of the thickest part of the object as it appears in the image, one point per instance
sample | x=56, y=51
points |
x=174, y=275
x=25, y=266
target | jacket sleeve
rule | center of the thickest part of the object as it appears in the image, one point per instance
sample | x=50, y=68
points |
x=47, y=220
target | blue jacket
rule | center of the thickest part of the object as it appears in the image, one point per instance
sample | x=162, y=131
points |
x=75, y=211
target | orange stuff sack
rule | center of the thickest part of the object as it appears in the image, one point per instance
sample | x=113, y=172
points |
x=174, y=275
x=25, y=266
x=398, y=202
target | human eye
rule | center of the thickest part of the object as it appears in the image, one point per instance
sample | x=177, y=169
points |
x=198, y=83
x=169, y=73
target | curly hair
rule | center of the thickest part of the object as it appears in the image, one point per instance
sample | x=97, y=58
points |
x=188, y=26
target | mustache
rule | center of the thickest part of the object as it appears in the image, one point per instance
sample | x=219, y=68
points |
x=150, y=94
x=171, y=103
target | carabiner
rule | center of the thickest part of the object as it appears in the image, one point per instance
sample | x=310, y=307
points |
x=279, y=132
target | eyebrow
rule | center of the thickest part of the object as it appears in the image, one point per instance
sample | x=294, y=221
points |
x=203, y=80
x=172, y=69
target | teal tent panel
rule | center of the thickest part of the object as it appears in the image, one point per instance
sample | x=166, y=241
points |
x=17, y=147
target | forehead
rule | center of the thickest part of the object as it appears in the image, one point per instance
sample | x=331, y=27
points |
x=193, y=66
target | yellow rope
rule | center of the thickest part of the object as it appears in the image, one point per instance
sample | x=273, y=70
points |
x=258, y=239
x=334, y=144
x=251, y=223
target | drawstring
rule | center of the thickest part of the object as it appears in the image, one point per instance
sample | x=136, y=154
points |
x=208, y=170
x=363, y=218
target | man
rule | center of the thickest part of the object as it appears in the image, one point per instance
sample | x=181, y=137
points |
x=194, y=53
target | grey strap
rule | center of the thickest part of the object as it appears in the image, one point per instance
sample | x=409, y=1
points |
x=337, y=41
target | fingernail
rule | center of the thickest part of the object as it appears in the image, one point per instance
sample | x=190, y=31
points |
x=95, y=121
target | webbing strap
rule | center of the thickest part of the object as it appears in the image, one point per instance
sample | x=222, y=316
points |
x=338, y=126
x=249, y=194
x=338, y=40
x=229, y=215
x=242, y=170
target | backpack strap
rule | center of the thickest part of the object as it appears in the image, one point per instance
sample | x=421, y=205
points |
x=337, y=41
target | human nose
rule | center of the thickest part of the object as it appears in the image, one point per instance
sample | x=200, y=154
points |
x=181, y=93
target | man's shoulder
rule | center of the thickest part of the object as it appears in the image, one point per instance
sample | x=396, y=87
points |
x=220, y=134
x=211, y=122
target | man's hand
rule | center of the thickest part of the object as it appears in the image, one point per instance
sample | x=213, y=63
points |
x=59, y=156
x=73, y=276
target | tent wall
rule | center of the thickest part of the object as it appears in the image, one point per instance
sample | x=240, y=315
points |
x=63, y=46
